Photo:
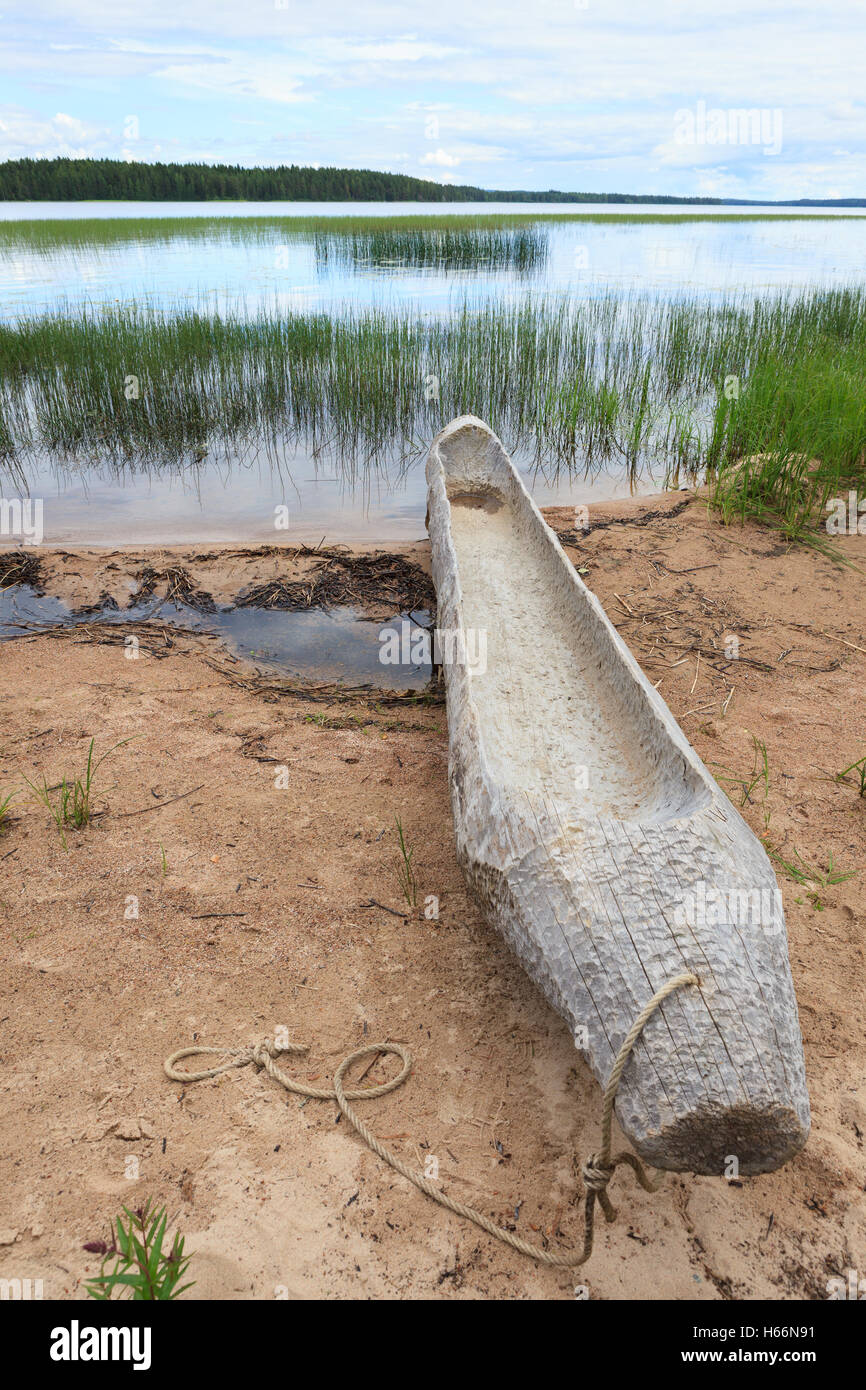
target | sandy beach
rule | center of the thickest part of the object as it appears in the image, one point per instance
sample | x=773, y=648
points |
x=241, y=876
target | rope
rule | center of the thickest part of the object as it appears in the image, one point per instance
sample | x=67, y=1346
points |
x=597, y=1171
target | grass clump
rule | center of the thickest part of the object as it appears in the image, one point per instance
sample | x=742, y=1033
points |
x=405, y=872
x=797, y=435
x=141, y=1270
x=813, y=878
x=70, y=803
x=858, y=768
x=748, y=783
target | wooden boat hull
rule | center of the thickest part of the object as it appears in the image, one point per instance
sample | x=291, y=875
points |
x=597, y=842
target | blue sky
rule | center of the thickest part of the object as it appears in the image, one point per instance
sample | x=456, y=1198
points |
x=594, y=95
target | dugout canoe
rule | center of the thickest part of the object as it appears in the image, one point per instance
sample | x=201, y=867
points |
x=596, y=840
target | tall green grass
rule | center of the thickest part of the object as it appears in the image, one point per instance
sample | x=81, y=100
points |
x=454, y=248
x=443, y=243
x=56, y=234
x=631, y=379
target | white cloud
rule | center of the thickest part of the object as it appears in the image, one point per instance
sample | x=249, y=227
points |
x=239, y=77
x=406, y=50
x=441, y=157
x=26, y=135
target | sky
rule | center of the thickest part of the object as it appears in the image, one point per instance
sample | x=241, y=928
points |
x=720, y=98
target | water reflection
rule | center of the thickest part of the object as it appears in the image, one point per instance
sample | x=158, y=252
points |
x=338, y=645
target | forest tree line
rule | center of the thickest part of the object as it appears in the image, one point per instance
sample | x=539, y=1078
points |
x=77, y=180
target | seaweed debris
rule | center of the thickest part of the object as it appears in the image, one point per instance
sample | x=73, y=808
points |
x=106, y=603
x=179, y=588
x=20, y=567
x=337, y=578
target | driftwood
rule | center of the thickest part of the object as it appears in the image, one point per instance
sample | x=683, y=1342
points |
x=596, y=840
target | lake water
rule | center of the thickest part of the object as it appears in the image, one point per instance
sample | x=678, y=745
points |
x=337, y=645
x=267, y=262
x=243, y=256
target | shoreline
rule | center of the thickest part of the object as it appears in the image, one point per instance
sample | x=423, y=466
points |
x=604, y=508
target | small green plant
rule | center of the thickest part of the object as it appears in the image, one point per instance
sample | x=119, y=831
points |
x=748, y=783
x=405, y=872
x=74, y=805
x=859, y=768
x=164, y=860
x=811, y=878
x=140, y=1263
x=5, y=815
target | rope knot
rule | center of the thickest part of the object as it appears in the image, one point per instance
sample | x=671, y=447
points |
x=266, y=1050
x=596, y=1174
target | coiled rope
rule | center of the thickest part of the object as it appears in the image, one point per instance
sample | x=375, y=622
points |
x=597, y=1171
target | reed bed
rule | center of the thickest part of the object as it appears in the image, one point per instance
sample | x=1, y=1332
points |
x=348, y=243
x=57, y=234
x=765, y=398
x=449, y=249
